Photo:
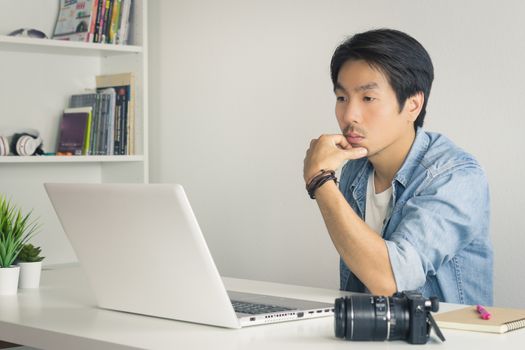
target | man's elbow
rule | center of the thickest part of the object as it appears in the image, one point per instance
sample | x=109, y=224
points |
x=385, y=288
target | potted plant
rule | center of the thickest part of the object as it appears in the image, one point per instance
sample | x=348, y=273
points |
x=15, y=230
x=30, y=263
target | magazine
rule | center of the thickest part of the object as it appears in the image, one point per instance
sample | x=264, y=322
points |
x=74, y=20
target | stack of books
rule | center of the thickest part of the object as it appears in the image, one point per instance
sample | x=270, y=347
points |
x=96, y=21
x=101, y=122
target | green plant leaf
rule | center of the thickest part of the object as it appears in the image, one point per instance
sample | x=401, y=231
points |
x=15, y=231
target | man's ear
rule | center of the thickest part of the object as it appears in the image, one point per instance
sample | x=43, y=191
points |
x=414, y=104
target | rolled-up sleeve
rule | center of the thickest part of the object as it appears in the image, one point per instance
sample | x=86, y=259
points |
x=448, y=212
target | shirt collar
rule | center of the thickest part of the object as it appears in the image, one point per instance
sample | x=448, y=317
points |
x=413, y=158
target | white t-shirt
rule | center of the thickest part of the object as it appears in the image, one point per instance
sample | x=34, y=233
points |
x=378, y=205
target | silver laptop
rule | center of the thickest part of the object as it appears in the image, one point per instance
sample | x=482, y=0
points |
x=143, y=252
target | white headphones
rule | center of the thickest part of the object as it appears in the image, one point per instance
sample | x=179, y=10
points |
x=25, y=143
x=4, y=146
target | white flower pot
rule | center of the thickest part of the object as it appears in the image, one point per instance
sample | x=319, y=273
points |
x=9, y=280
x=29, y=274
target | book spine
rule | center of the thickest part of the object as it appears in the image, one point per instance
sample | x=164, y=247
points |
x=96, y=104
x=119, y=117
x=99, y=128
x=107, y=18
x=131, y=119
x=100, y=13
x=104, y=126
x=124, y=121
x=118, y=110
x=124, y=22
x=114, y=21
x=111, y=122
x=87, y=135
x=94, y=11
x=93, y=126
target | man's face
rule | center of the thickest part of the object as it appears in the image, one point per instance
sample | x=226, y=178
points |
x=367, y=109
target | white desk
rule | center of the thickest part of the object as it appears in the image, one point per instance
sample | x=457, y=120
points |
x=62, y=315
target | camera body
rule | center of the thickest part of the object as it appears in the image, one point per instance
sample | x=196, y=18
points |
x=419, y=310
x=404, y=315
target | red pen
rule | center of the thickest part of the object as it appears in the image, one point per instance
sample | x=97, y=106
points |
x=484, y=314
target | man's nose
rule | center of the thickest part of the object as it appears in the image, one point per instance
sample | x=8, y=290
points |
x=352, y=113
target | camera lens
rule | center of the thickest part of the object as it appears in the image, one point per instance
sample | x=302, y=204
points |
x=366, y=317
x=340, y=317
x=399, y=318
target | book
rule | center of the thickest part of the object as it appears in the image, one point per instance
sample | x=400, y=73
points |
x=74, y=20
x=91, y=34
x=87, y=133
x=124, y=86
x=123, y=27
x=100, y=12
x=107, y=20
x=108, y=121
x=121, y=118
x=74, y=131
x=502, y=319
x=100, y=135
x=114, y=22
x=89, y=99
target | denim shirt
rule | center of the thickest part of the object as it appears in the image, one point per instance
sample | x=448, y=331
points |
x=437, y=235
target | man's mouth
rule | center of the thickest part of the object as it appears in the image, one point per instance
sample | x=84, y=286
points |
x=354, y=138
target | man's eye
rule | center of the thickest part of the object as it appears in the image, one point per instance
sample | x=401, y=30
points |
x=368, y=99
x=341, y=99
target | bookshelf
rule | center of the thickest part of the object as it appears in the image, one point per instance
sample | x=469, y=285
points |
x=58, y=47
x=38, y=77
x=60, y=159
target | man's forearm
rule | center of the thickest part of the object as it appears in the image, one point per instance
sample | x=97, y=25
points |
x=363, y=250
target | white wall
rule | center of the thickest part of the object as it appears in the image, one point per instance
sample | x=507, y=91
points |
x=238, y=88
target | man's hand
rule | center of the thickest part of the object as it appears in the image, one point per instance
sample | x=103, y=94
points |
x=328, y=152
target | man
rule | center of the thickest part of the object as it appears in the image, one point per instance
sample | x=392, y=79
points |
x=412, y=209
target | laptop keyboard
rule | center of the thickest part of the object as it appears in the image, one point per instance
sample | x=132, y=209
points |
x=255, y=309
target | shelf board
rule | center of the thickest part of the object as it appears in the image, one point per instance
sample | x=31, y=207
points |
x=71, y=159
x=63, y=47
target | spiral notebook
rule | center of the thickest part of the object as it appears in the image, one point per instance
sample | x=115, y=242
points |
x=502, y=320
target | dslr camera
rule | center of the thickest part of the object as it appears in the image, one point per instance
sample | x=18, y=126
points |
x=403, y=316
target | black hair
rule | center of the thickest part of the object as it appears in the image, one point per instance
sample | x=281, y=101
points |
x=404, y=61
